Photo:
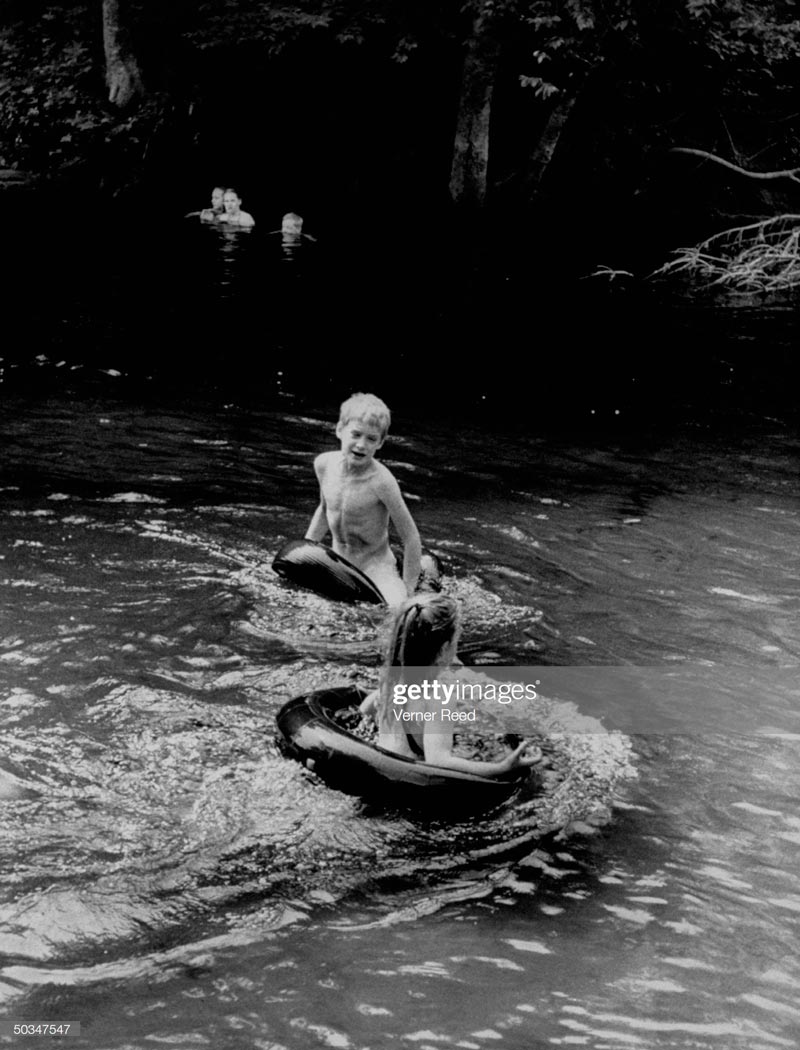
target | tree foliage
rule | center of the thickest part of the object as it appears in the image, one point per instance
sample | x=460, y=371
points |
x=719, y=75
x=53, y=113
x=401, y=27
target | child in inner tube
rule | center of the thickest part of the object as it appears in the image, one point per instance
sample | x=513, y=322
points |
x=358, y=498
x=422, y=645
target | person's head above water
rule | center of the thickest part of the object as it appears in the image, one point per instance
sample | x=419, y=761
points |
x=217, y=209
x=233, y=214
x=292, y=224
x=365, y=408
x=231, y=201
x=424, y=632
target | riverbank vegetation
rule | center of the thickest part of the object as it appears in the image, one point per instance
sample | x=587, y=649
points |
x=556, y=116
x=761, y=257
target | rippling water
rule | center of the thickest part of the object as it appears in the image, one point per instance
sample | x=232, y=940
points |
x=168, y=877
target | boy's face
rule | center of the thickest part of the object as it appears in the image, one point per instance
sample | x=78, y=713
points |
x=360, y=440
x=231, y=202
x=216, y=198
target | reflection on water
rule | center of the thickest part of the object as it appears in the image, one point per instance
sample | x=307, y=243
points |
x=168, y=876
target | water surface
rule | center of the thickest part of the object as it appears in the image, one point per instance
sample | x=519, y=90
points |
x=169, y=877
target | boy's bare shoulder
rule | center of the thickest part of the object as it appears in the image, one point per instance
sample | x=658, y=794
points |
x=325, y=460
x=384, y=478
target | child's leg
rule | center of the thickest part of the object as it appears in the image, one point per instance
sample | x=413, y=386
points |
x=387, y=579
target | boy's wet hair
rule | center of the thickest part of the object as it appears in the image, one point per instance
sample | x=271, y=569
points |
x=367, y=407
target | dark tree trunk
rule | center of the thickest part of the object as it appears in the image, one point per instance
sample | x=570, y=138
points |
x=546, y=147
x=470, y=165
x=123, y=77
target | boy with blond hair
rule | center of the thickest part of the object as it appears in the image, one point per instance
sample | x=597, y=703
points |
x=359, y=497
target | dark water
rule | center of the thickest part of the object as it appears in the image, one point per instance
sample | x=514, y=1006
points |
x=168, y=878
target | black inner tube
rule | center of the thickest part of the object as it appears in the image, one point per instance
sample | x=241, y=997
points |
x=309, y=734
x=318, y=568
x=314, y=566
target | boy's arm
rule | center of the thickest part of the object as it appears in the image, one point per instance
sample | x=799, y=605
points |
x=318, y=527
x=406, y=530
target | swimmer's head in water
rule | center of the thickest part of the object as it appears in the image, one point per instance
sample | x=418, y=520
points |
x=292, y=224
x=217, y=195
x=231, y=201
x=366, y=408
